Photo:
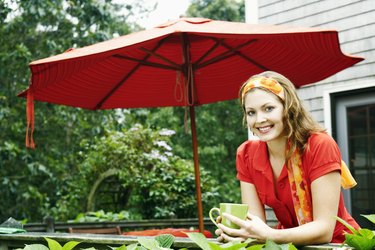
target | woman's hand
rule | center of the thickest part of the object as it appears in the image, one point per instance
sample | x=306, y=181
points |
x=252, y=227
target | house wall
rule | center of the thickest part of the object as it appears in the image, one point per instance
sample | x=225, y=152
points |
x=355, y=22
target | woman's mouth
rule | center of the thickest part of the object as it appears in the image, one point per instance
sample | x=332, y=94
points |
x=264, y=129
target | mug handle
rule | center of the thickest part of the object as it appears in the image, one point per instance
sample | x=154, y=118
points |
x=210, y=213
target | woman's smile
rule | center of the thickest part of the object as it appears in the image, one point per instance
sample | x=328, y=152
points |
x=265, y=129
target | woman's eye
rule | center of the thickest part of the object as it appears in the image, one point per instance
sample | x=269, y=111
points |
x=269, y=109
x=250, y=113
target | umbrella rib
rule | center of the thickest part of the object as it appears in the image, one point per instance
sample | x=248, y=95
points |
x=161, y=57
x=231, y=52
x=99, y=105
x=119, y=84
x=247, y=58
x=151, y=64
x=218, y=42
x=226, y=54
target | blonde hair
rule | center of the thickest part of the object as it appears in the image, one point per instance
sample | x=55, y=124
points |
x=298, y=122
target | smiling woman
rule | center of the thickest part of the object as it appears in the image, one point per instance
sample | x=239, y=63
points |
x=296, y=157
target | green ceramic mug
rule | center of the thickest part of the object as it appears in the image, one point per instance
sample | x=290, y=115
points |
x=235, y=209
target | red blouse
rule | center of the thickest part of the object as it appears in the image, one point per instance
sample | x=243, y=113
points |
x=323, y=156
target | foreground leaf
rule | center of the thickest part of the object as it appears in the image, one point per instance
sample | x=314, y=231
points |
x=35, y=247
x=165, y=240
x=131, y=246
x=234, y=245
x=271, y=245
x=289, y=246
x=123, y=247
x=367, y=233
x=53, y=245
x=359, y=242
x=200, y=240
x=149, y=243
x=70, y=245
x=370, y=217
x=256, y=247
x=214, y=246
x=347, y=225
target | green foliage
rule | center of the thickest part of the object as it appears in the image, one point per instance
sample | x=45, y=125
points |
x=32, y=182
x=271, y=245
x=165, y=242
x=228, y=10
x=34, y=247
x=160, y=242
x=162, y=185
x=204, y=244
x=362, y=238
x=38, y=183
x=54, y=245
x=101, y=216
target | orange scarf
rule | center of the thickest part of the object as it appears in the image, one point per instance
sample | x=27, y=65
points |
x=301, y=194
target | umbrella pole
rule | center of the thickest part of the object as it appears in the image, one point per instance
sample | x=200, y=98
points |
x=196, y=169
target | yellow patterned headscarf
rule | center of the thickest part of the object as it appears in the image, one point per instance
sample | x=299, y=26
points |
x=266, y=83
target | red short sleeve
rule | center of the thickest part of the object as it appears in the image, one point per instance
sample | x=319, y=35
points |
x=322, y=156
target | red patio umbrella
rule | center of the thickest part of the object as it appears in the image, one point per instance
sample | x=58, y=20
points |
x=186, y=62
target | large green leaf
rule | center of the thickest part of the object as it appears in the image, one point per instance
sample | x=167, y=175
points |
x=366, y=233
x=347, y=225
x=200, y=240
x=131, y=247
x=70, y=245
x=165, y=240
x=150, y=243
x=35, y=247
x=53, y=245
x=256, y=247
x=359, y=242
x=370, y=217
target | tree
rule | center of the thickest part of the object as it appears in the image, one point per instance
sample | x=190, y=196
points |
x=226, y=10
x=33, y=181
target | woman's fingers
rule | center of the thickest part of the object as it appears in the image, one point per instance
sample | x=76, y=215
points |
x=218, y=219
x=250, y=216
x=245, y=230
x=218, y=231
x=234, y=219
x=227, y=238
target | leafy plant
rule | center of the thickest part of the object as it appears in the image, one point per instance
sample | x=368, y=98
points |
x=52, y=245
x=101, y=215
x=165, y=242
x=157, y=182
x=203, y=243
x=363, y=238
x=160, y=242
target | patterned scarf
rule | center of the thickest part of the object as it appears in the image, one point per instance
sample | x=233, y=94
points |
x=301, y=194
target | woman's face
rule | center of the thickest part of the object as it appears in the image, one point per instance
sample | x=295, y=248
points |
x=264, y=114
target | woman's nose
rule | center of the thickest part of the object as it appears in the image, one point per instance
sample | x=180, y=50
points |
x=261, y=117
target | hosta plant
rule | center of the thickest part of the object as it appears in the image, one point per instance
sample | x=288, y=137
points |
x=363, y=238
x=165, y=242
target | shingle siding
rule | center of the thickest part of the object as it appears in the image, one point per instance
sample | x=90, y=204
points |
x=355, y=22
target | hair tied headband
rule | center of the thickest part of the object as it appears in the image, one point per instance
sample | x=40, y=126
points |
x=264, y=83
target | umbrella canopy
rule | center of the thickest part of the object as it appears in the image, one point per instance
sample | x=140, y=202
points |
x=186, y=62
